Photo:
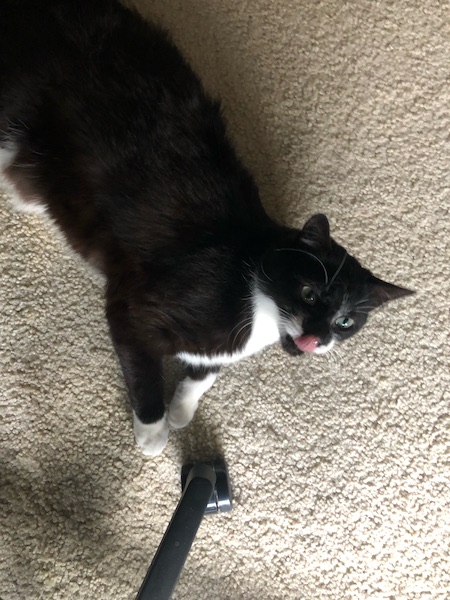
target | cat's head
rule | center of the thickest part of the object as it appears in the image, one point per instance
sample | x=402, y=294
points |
x=323, y=294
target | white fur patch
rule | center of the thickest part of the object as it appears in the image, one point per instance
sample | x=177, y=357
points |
x=294, y=329
x=29, y=206
x=325, y=347
x=7, y=155
x=185, y=400
x=151, y=438
x=34, y=204
x=265, y=331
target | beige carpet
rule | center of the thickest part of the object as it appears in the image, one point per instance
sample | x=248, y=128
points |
x=340, y=468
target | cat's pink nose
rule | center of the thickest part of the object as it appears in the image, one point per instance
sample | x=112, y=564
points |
x=307, y=343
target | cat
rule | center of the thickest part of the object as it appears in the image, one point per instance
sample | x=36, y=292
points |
x=105, y=129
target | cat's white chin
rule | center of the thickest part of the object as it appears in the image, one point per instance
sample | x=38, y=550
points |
x=151, y=438
x=323, y=349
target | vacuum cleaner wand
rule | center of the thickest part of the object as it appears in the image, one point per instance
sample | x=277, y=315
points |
x=206, y=489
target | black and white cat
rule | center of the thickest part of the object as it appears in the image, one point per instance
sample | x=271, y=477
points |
x=106, y=130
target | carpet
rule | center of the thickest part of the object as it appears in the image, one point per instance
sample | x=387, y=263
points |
x=340, y=466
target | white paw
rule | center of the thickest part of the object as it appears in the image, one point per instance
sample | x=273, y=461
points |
x=181, y=414
x=152, y=438
x=185, y=401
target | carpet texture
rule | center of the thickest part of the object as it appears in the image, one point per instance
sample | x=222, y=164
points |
x=339, y=466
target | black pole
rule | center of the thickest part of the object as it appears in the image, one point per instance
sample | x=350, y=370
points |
x=171, y=555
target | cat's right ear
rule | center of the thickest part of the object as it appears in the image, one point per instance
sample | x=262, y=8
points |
x=316, y=232
x=382, y=291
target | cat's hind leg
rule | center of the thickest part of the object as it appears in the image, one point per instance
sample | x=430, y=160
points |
x=188, y=393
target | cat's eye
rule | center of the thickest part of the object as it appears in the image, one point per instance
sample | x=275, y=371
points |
x=345, y=322
x=308, y=295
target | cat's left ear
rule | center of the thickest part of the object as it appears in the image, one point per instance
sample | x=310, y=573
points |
x=316, y=232
x=382, y=291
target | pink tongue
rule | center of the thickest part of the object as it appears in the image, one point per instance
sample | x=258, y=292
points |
x=307, y=343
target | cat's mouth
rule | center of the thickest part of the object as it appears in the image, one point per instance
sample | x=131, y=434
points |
x=312, y=344
x=307, y=343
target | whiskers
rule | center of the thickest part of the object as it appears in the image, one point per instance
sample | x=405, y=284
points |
x=284, y=314
x=240, y=326
x=288, y=323
x=363, y=307
x=363, y=301
x=334, y=358
x=328, y=282
x=308, y=254
x=338, y=270
x=264, y=272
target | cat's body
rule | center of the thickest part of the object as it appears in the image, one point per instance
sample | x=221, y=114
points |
x=105, y=128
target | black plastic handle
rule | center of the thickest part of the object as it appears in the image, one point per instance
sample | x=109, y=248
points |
x=171, y=555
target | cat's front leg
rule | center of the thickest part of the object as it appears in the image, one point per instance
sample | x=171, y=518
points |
x=143, y=373
x=150, y=437
x=187, y=394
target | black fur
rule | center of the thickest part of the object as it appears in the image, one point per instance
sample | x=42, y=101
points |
x=117, y=137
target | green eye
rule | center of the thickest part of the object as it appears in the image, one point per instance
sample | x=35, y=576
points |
x=345, y=322
x=308, y=295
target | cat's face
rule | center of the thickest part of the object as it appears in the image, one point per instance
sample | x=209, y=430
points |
x=324, y=295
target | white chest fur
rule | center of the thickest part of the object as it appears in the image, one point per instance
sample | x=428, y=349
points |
x=265, y=331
